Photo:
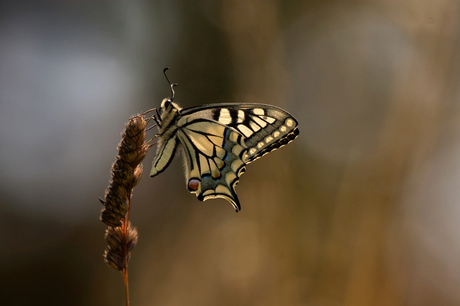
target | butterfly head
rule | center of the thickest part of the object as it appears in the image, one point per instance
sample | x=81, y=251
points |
x=168, y=107
x=165, y=104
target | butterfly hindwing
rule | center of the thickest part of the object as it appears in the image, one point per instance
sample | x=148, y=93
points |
x=214, y=157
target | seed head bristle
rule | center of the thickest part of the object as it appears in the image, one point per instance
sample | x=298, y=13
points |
x=137, y=174
x=119, y=246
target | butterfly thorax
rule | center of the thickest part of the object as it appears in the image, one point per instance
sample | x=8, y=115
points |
x=169, y=114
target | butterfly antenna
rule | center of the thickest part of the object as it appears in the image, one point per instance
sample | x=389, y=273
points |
x=170, y=85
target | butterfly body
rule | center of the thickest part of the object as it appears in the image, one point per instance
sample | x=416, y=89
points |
x=217, y=141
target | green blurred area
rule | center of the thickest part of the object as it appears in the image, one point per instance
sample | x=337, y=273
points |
x=361, y=209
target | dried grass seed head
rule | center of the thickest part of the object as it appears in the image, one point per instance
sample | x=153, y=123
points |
x=126, y=171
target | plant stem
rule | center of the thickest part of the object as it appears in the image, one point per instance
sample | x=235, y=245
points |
x=125, y=259
x=125, y=277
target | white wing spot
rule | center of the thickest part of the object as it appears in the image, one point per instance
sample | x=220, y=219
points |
x=207, y=192
x=260, y=145
x=236, y=165
x=269, y=119
x=259, y=121
x=283, y=128
x=254, y=126
x=252, y=151
x=240, y=116
x=289, y=122
x=224, y=116
x=268, y=139
x=233, y=137
x=276, y=134
x=223, y=189
x=237, y=150
x=258, y=111
x=230, y=177
x=245, y=156
x=245, y=130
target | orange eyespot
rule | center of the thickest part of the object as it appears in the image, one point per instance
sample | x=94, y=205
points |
x=193, y=184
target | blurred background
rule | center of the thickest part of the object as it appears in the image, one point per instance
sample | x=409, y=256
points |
x=362, y=209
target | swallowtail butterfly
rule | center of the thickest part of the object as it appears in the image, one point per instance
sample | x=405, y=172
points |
x=218, y=141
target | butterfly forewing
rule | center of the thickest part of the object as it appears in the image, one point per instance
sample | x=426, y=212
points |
x=264, y=127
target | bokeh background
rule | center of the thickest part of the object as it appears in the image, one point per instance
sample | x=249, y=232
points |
x=362, y=209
